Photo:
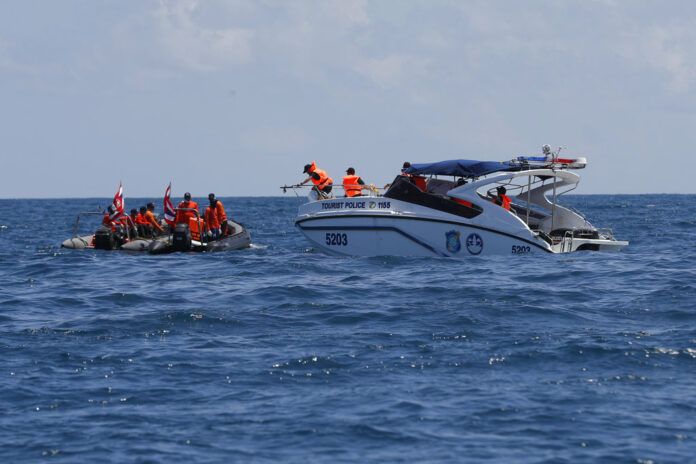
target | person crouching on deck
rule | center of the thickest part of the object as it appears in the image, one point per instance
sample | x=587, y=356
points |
x=321, y=180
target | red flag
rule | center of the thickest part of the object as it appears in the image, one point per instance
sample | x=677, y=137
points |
x=118, y=207
x=169, y=213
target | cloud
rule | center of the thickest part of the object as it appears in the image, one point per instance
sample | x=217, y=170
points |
x=668, y=49
x=195, y=45
x=8, y=62
x=394, y=70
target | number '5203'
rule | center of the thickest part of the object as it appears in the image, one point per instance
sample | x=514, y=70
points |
x=337, y=239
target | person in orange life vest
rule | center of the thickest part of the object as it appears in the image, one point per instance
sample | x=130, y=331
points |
x=419, y=181
x=150, y=218
x=108, y=222
x=501, y=199
x=459, y=183
x=130, y=222
x=212, y=219
x=143, y=225
x=222, y=217
x=321, y=180
x=182, y=217
x=352, y=184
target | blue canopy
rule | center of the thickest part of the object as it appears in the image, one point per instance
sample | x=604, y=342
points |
x=462, y=168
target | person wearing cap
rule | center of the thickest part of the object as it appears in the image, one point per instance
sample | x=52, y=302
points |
x=418, y=180
x=150, y=219
x=321, y=180
x=501, y=199
x=130, y=222
x=221, y=216
x=141, y=222
x=352, y=184
x=182, y=217
x=212, y=221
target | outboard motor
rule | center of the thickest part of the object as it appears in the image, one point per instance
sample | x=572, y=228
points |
x=182, y=237
x=104, y=239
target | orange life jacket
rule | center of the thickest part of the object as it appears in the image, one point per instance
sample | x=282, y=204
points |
x=211, y=218
x=150, y=219
x=107, y=222
x=222, y=217
x=195, y=231
x=324, y=178
x=506, y=201
x=141, y=219
x=418, y=180
x=351, y=186
x=184, y=216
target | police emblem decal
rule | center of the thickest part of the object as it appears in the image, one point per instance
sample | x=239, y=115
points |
x=452, y=241
x=474, y=244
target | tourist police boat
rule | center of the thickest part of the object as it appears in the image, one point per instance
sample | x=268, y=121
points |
x=453, y=220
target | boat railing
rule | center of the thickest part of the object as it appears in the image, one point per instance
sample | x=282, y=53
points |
x=101, y=213
x=373, y=191
x=566, y=241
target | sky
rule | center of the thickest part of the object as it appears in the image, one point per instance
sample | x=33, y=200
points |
x=235, y=97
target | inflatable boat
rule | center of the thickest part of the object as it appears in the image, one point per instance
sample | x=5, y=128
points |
x=184, y=237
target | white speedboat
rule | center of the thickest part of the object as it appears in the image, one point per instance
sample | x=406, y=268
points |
x=454, y=220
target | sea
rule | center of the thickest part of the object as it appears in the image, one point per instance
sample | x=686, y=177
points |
x=279, y=353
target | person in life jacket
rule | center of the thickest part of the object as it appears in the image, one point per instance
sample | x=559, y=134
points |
x=145, y=229
x=151, y=219
x=182, y=217
x=352, y=184
x=419, y=181
x=212, y=219
x=130, y=222
x=222, y=217
x=501, y=199
x=106, y=221
x=321, y=180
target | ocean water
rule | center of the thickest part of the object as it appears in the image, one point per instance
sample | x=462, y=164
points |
x=280, y=354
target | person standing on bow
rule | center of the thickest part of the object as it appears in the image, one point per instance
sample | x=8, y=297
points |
x=182, y=217
x=352, y=184
x=321, y=180
x=221, y=216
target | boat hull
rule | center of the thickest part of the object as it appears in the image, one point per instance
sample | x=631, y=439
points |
x=373, y=235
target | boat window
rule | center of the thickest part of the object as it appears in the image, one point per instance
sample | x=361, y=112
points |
x=404, y=190
x=439, y=186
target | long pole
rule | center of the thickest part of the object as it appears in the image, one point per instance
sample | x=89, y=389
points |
x=529, y=187
x=553, y=207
